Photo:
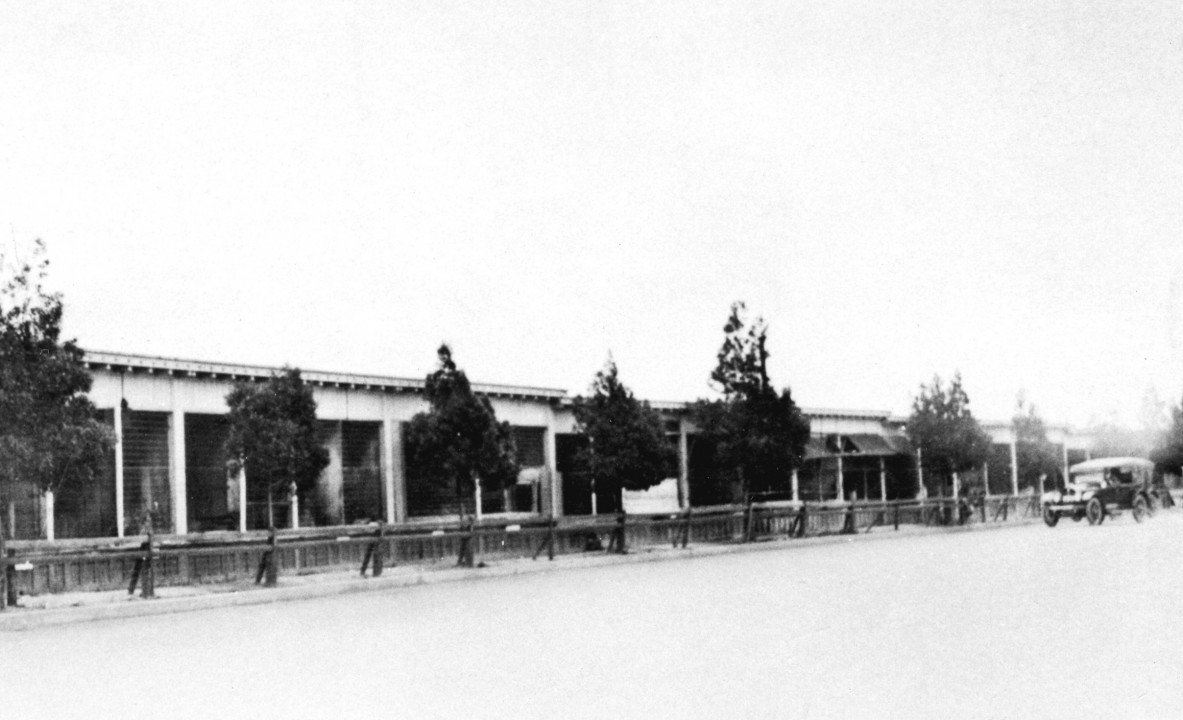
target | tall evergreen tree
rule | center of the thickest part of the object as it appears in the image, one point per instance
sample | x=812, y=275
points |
x=758, y=435
x=1036, y=456
x=49, y=434
x=944, y=430
x=627, y=448
x=273, y=431
x=459, y=440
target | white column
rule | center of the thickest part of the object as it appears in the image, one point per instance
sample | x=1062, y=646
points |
x=476, y=490
x=796, y=487
x=841, y=482
x=389, y=429
x=683, y=464
x=179, y=498
x=1065, y=461
x=47, y=513
x=956, y=485
x=242, y=497
x=294, y=508
x=119, y=519
x=552, y=470
x=1014, y=467
x=882, y=479
x=920, y=489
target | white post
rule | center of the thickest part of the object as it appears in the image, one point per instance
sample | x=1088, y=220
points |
x=796, y=487
x=241, y=496
x=477, y=493
x=294, y=507
x=179, y=497
x=683, y=465
x=920, y=491
x=47, y=513
x=1014, y=466
x=956, y=485
x=882, y=479
x=593, y=494
x=986, y=478
x=389, y=428
x=119, y=519
x=841, y=481
x=1065, y=461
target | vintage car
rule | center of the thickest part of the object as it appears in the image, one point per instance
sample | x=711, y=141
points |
x=1102, y=488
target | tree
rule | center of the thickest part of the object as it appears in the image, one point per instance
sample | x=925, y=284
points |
x=1035, y=456
x=758, y=435
x=944, y=430
x=1168, y=451
x=49, y=433
x=459, y=442
x=273, y=434
x=627, y=448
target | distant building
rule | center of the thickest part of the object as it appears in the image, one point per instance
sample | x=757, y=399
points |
x=169, y=417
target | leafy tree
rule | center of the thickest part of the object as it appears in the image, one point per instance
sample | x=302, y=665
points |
x=273, y=432
x=944, y=430
x=627, y=449
x=49, y=433
x=1168, y=451
x=1035, y=455
x=758, y=435
x=459, y=440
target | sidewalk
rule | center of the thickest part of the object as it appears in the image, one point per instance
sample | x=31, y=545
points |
x=65, y=608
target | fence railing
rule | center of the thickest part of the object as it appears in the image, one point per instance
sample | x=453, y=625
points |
x=149, y=561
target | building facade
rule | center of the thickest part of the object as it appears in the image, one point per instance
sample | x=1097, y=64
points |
x=169, y=418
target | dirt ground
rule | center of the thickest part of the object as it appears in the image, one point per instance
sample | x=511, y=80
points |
x=1071, y=622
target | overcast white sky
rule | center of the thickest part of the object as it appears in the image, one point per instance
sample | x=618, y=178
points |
x=901, y=189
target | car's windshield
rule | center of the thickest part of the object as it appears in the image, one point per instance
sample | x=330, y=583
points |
x=1093, y=480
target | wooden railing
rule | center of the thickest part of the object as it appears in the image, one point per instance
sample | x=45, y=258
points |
x=149, y=561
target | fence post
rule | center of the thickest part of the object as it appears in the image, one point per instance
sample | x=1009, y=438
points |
x=4, y=572
x=465, y=558
x=268, y=570
x=896, y=515
x=375, y=551
x=617, y=543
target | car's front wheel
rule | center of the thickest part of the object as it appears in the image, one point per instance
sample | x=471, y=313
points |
x=1051, y=517
x=1140, y=509
x=1094, y=511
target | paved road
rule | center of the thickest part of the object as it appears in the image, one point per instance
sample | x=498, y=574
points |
x=1075, y=622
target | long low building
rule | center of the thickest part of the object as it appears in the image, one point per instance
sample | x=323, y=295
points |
x=169, y=418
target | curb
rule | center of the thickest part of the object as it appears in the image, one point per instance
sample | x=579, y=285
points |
x=30, y=619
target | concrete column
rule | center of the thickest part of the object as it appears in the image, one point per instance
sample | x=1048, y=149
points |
x=552, y=470
x=399, y=467
x=47, y=513
x=119, y=518
x=683, y=465
x=956, y=485
x=920, y=489
x=841, y=481
x=179, y=497
x=796, y=487
x=241, y=478
x=882, y=479
x=389, y=430
x=476, y=491
x=294, y=508
x=1065, y=461
x=986, y=477
x=1014, y=467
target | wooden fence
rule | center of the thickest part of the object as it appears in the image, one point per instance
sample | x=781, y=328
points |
x=147, y=561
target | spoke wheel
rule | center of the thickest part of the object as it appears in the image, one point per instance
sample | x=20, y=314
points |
x=1051, y=517
x=1140, y=509
x=1094, y=511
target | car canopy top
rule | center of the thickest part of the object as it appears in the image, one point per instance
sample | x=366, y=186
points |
x=1099, y=465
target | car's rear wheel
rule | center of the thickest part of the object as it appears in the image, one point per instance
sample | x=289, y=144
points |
x=1094, y=511
x=1051, y=517
x=1140, y=509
